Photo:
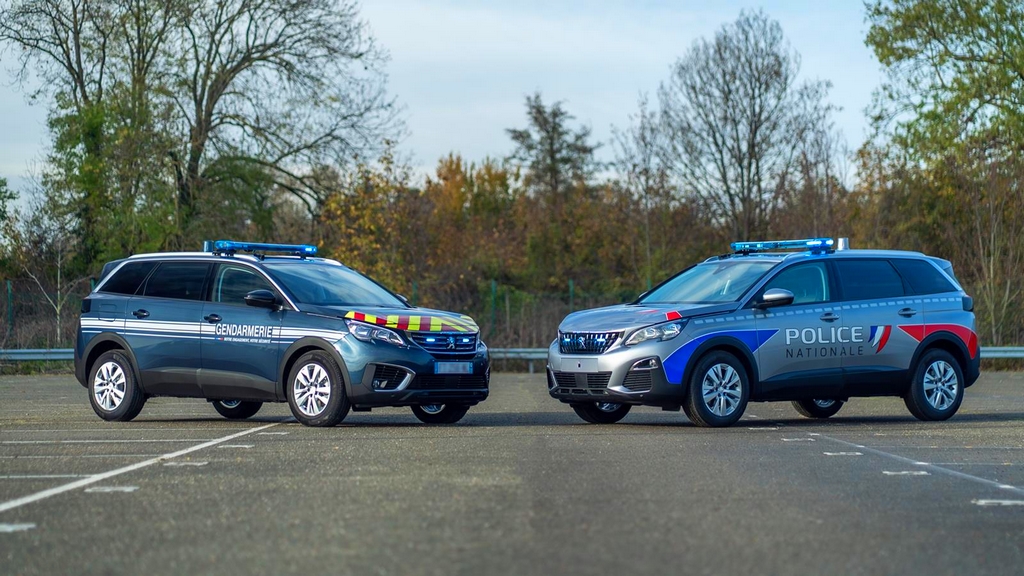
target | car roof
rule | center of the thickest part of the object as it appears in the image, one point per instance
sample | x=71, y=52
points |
x=229, y=257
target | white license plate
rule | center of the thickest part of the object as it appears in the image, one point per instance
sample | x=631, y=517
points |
x=570, y=364
x=453, y=367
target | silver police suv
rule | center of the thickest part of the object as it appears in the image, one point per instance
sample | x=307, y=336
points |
x=817, y=327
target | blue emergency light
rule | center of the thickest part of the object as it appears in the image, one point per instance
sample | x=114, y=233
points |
x=809, y=244
x=230, y=247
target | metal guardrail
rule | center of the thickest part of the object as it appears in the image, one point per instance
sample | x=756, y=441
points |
x=496, y=353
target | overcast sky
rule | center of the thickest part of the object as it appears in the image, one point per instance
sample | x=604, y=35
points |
x=462, y=69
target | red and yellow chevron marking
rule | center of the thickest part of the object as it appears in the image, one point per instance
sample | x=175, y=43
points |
x=418, y=323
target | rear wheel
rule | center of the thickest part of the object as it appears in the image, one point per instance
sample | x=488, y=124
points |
x=236, y=409
x=818, y=408
x=316, y=393
x=440, y=413
x=937, y=388
x=114, y=392
x=718, y=391
x=601, y=412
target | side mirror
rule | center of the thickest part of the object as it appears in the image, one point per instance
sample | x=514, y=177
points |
x=774, y=297
x=261, y=299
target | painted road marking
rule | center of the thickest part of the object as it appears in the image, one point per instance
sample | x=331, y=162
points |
x=185, y=463
x=843, y=453
x=8, y=528
x=236, y=446
x=41, y=476
x=102, y=441
x=933, y=467
x=104, y=489
x=272, y=434
x=906, y=473
x=79, y=456
x=998, y=502
x=763, y=428
x=11, y=504
x=798, y=439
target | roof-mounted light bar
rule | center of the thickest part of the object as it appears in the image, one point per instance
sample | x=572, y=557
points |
x=816, y=245
x=231, y=247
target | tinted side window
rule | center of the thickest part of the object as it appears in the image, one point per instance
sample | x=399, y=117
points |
x=232, y=283
x=869, y=279
x=923, y=277
x=807, y=282
x=128, y=278
x=181, y=280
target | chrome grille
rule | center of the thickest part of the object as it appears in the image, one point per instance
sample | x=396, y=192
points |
x=586, y=342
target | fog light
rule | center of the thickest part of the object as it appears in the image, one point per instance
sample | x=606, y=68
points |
x=379, y=383
x=645, y=364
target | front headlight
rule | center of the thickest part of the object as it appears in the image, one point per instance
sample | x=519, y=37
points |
x=659, y=332
x=369, y=333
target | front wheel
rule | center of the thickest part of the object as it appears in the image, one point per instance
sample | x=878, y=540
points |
x=440, y=413
x=718, y=391
x=236, y=409
x=937, y=388
x=601, y=412
x=818, y=408
x=316, y=393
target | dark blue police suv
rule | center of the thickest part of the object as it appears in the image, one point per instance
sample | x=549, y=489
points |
x=244, y=323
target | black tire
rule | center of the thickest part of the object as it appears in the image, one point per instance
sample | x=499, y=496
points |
x=446, y=414
x=236, y=409
x=311, y=368
x=951, y=384
x=590, y=412
x=732, y=397
x=811, y=408
x=118, y=377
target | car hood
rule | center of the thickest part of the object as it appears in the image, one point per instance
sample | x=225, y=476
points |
x=411, y=319
x=626, y=317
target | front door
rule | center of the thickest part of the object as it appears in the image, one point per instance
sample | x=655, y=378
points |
x=804, y=357
x=241, y=343
x=162, y=328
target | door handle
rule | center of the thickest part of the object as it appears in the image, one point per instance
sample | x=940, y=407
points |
x=212, y=318
x=140, y=313
x=907, y=312
x=829, y=317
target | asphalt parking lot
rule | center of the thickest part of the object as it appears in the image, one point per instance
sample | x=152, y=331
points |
x=520, y=486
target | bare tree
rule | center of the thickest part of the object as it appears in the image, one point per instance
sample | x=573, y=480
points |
x=730, y=108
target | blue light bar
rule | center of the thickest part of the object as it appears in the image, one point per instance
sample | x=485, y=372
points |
x=230, y=247
x=810, y=244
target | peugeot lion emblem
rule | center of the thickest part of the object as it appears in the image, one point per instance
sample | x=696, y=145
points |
x=451, y=342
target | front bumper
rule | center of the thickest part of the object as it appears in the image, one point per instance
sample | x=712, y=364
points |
x=610, y=377
x=385, y=375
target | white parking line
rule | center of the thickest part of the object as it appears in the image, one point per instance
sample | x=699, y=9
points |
x=104, y=441
x=272, y=434
x=11, y=504
x=41, y=476
x=236, y=446
x=8, y=528
x=906, y=473
x=998, y=502
x=843, y=453
x=933, y=467
x=105, y=489
x=185, y=463
x=798, y=439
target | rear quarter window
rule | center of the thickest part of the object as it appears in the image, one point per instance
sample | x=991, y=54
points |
x=869, y=279
x=923, y=278
x=128, y=278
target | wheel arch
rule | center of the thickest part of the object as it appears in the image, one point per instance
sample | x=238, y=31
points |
x=946, y=341
x=101, y=344
x=300, y=347
x=731, y=345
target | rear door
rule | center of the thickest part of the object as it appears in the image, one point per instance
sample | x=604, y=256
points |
x=803, y=358
x=241, y=343
x=880, y=314
x=163, y=330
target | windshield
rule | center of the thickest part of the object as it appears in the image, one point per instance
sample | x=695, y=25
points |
x=710, y=283
x=325, y=284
